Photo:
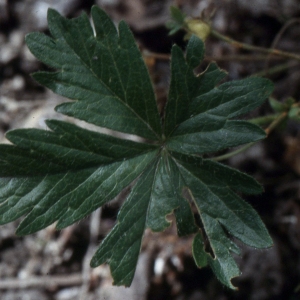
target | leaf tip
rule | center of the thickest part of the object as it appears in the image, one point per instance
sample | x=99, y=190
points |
x=52, y=13
x=20, y=232
x=195, y=51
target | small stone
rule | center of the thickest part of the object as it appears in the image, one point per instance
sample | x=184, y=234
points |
x=11, y=49
x=36, y=12
x=17, y=83
x=68, y=293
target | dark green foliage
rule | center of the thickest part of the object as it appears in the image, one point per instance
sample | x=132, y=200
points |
x=67, y=172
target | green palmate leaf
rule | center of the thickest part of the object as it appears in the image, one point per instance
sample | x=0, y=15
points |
x=178, y=20
x=63, y=174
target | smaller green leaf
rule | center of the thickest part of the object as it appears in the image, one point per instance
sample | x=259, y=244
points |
x=294, y=113
x=173, y=27
x=177, y=14
x=289, y=101
x=178, y=20
x=276, y=105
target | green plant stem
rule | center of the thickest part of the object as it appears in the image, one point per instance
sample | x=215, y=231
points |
x=280, y=118
x=233, y=153
x=241, y=57
x=254, y=48
x=264, y=120
x=278, y=37
x=276, y=69
x=276, y=122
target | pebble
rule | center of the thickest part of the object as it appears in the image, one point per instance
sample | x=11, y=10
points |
x=36, y=12
x=11, y=49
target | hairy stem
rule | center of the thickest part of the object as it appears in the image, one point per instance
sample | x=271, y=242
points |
x=260, y=121
x=276, y=69
x=254, y=48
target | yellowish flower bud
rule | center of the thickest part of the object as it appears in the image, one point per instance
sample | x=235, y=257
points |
x=199, y=28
